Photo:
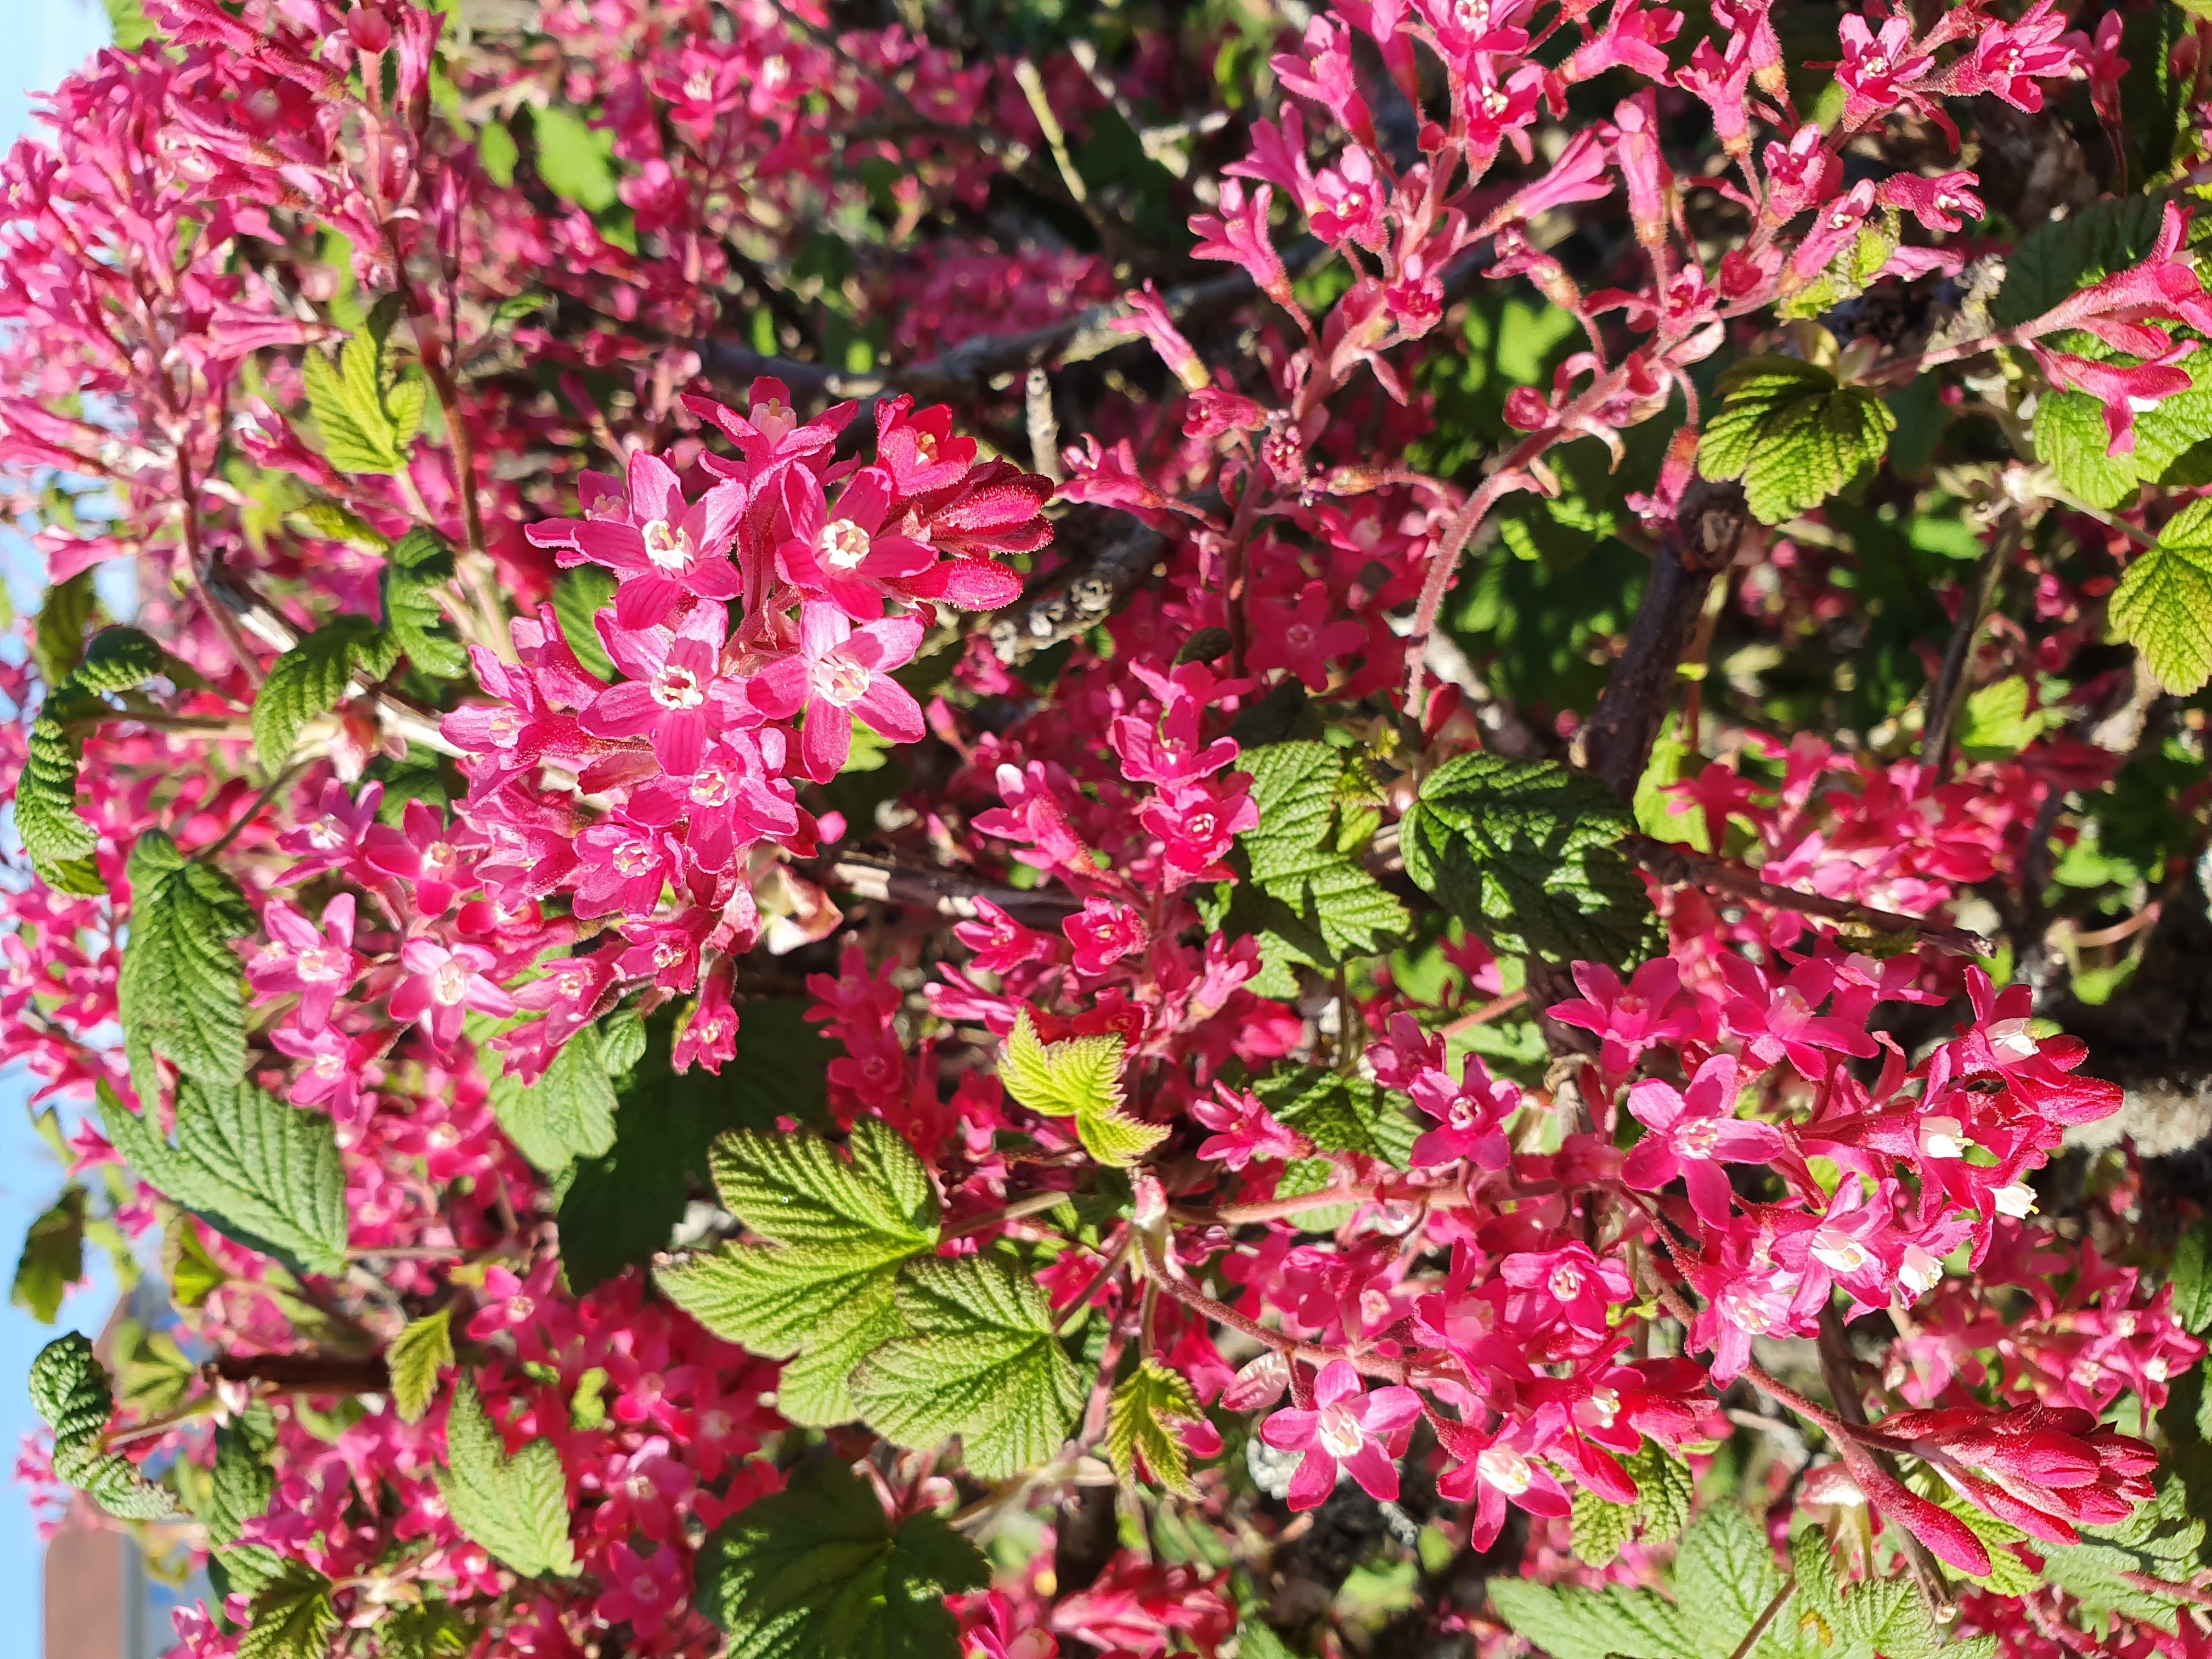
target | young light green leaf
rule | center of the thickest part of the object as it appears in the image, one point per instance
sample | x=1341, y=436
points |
x=579, y=596
x=367, y=425
x=1579, y=1623
x=265, y=1174
x=575, y=159
x=1997, y=723
x=982, y=1362
x=52, y=1258
x=815, y=1286
x=517, y=1507
x=419, y=1352
x=180, y=994
x=1310, y=901
x=1663, y=1491
x=58, y=642
x=2163, y=606
x=1600, y=1528
x=1078, y=1078
x=817, y=1571
x=1141, y=1419
x=1793, y=435
x=310, y=680
x=291, y=1618
x=568, y=1114
x=1526, y=853
x=69, y=1390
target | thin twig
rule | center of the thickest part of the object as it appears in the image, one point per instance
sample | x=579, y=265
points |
x=1948, y=695
x=1765, y=1618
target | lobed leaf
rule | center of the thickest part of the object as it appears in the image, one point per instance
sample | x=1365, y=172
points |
x=517, y=1507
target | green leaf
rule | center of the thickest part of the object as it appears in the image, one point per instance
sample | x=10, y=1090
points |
x=307, y=681
x=817, y=1284
x=1308, y=899
x=128, y=25
x=59, y=840
x=982, y=1362
x=414, y=571
x=1601, y=1528
x=265, y=1174
x=575, y=161
x=2191, y=1276
x=419, y=1352
x=238, y=1490
x=58, y=642
x=2163, y=606
x=1580, y=1624
x=1341, y=1113
x=291, y=1618
x=1793, y=435
x=2159, y=1541
x=517, y=1507
x=1724, y=1576
x=1526, y=853
x=180, y=994
x=1139, y=1427
x=817, y=1571
x=52, y=1258
x=2063, y=255
x=1078, y=1078
x=69, y=1390
x=568, y=1114
x=430, y=1631
x=1664, y=1488
x=2071, y=440
x=621, y=1041
x=619, y=1210
x=194, y=1274
x=579, y=596
x=1997, y=723
x=367, y=424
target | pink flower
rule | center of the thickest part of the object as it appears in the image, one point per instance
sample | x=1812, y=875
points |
x=838, y=672
x=1243, y=1129
x=847, y=557
x=1296, y=634
x=2009, y=58
x=667, y=697
x=1103, y=934
x=1198, y=823
x=1569, y=1283
x=709, y=1036
x=319, y=967
x=622, y=867
x=1239, y=236
x=1693, y=1138
x=1352, y=201
x=443, y=984
x=1495, y=1469
x=660, y=549
x=1877, y=70
x=1653, y=1009
x=420, y=853
x=1347, y=1428
x=641, y=1591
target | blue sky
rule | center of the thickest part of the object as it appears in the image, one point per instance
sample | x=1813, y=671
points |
x=47, y=39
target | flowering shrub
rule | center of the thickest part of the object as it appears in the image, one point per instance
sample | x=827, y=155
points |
x=1123, y=830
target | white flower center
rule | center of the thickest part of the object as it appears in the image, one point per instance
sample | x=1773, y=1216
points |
x=677, y=688
x=632, y=858
x=2017, y=1200
x=449, y=983
x=1697, y=1137
x=1339, y=1430
x=711, y=787
x=320, y=965
x=840, y=679
x=1566, y=1282
x=2010, y=1037
x=1943, y=1137
x=668, y=547
x=1605, y=1406
x=842, y=544
x=1837, y=1250
x=1505, y=1468
x=1919, y=1270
